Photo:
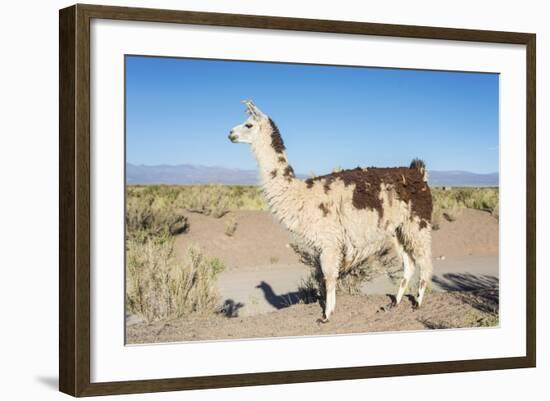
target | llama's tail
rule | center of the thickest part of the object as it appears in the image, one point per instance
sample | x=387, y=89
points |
x=421, y=166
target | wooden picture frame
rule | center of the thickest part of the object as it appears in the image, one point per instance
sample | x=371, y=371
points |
x=74, y=199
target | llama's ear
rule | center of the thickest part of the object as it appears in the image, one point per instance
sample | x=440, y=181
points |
x=252, y=110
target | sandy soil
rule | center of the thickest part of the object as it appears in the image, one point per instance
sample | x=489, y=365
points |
x=474, y=232
x=263, y=274
x=257, y=242
x=355, y=314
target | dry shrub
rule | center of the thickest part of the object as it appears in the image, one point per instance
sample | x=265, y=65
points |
x=212, y=199
x=450, y=214
x=449, y=203
x=437, y=215
x=384, y=262
x=351, y=281
x=217, y=200
x=231, y=225
x=453, y=213
x=479, y=198
x=477, y=318
x=311, y=289
x=496, y=211
x=159, y=287
x=245, y=197
x=147, y=217
x=474, y=198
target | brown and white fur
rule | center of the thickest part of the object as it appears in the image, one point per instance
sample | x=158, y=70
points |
x=347, y=216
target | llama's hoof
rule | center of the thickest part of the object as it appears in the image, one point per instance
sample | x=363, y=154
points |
x=388, y=307
x=322, y=320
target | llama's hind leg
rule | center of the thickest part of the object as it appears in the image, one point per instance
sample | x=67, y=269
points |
x=423, y=258
x=408, y=271
x=330, y=264
x=417, y=243
x=426, y=270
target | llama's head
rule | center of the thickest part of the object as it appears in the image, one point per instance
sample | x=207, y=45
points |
x=250, y=130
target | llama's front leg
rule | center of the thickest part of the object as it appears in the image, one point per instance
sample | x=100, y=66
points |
x=330, y=264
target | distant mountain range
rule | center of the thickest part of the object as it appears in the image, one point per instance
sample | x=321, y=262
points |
x=195, y=174
x=188, y=174
x=462, y=179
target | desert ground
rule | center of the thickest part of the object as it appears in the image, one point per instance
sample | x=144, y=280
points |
x=260, y=292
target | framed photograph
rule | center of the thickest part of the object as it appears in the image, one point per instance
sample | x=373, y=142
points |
x=250, y=200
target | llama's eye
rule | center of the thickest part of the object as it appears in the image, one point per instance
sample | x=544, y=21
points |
x=248, y=125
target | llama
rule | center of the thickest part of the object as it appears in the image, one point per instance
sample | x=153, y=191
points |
x=346, y=216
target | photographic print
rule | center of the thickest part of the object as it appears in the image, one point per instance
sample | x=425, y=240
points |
x=341, y=187
x=279, y=200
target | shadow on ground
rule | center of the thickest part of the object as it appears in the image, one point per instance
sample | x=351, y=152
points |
x=49, y=381
x=281, y=301
x=230, y=308
x=478, y=291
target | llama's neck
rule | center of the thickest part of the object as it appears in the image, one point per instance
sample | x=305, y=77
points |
x=279, y=183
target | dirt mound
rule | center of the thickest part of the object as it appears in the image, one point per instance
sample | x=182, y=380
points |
x=474, y=232
x=259, y=240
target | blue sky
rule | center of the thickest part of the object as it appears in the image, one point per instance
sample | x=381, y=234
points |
x=179, y=111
